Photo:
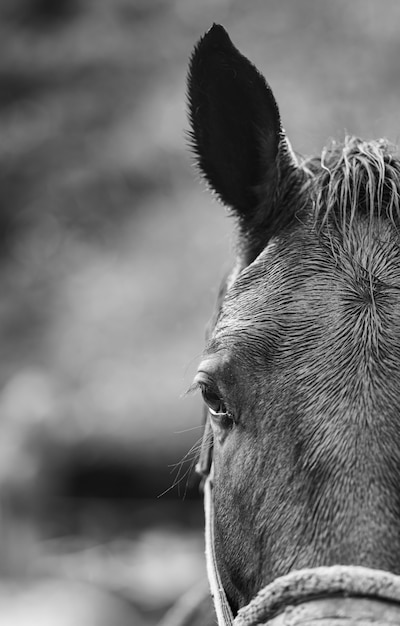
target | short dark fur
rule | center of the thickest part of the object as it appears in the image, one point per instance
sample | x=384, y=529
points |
x=305, y=346
x=240, y=166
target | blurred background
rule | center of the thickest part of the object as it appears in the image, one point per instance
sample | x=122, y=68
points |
x=111, y=253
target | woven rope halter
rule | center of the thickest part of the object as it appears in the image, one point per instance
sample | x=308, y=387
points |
x=297, y=587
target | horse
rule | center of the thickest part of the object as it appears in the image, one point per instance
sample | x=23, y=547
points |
x=300, y=375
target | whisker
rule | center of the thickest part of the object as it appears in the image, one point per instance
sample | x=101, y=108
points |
x=191, y=457
x=188, y=430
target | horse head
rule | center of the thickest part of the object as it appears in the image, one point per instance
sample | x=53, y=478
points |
x=301, y=370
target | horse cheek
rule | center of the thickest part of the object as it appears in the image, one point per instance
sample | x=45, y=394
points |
x=235, y=520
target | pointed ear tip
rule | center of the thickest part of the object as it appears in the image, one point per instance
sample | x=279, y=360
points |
x=216, y=30
x=216, y=37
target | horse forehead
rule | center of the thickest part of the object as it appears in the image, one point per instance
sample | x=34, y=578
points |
x=279, y=273
x=284, y=281
x=300, y=279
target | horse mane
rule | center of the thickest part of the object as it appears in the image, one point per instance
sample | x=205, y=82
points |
x=354, y=178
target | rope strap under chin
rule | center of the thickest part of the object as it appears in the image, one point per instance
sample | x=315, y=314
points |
x=319, y=582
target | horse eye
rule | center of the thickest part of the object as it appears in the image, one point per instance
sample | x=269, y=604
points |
x=212, y=400
x=215, y=404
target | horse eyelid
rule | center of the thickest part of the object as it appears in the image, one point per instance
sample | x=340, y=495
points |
x=218, y=413
x=206, y=384
x=224, y=420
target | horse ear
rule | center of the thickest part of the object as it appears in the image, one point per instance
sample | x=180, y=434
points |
x=236, y=130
